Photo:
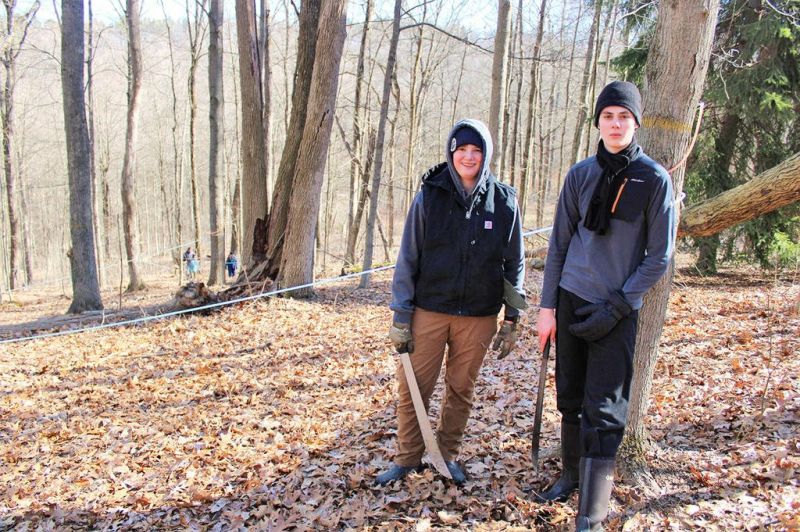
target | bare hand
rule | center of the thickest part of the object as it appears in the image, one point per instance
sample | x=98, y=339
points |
x=546, y=327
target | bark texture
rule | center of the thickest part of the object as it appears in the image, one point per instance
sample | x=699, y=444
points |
x=680, y=50
x=216, y=142
x=777, y=187
x=85, y=286
x=254, y=172
x=130, y=225
x=497, y=105
x=297, y=265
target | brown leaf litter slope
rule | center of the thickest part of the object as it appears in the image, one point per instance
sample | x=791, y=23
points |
x=277, y=415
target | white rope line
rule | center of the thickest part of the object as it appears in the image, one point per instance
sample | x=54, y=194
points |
x=216, y=305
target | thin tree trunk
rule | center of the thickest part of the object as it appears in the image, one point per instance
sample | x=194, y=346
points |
x=516, y=170
x=266, y=92
x=99, y=230
x=583, y=109
x=297, y=264
x=129, y=215
x=216, y=142
x=85, y=287
x=357, y=173
x=683, y=30
x=376, y=176
x=564, y=164
x=497, y=101
x=533, y=104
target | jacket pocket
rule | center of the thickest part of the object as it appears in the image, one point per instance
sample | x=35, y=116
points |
x=631, y=200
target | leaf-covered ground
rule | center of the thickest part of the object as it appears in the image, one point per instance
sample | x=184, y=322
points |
x=277, y=415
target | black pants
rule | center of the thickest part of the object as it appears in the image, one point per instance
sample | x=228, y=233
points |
x=593, y=379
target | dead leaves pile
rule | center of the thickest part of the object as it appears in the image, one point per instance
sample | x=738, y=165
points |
x=278, y=414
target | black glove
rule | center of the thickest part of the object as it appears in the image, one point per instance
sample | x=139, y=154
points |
x=602, y=317
x=400, y=336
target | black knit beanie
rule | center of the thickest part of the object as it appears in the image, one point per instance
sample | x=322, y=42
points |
x=622, y=93
x=465, y=135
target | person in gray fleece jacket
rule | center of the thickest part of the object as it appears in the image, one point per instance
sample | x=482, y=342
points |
x=612, y=239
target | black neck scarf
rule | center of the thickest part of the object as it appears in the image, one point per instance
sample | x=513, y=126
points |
x=613, y=164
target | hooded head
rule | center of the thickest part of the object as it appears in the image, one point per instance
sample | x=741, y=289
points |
x=465, y=132
x=621, y=93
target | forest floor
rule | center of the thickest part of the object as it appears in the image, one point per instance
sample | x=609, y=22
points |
x=277, y=414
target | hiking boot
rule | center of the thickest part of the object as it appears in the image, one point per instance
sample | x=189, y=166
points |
x=456, y=472
x=567, y=483
x=597, y=480
x=396, y=472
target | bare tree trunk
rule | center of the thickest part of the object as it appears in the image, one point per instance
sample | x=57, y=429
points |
x=583, y=109
x=196, y=30
x=297, y=265
x=497, y=102
x=129, y=216
x=533, y=104
x=254, y=171
x=775, y=188
x=392, y=173
x=216, y=142
x=85, y=287
x=13, y=36
x=563, y=167
x=279, y=215
x=99, y=230
x=376, y=176
x=236, y=200
x=357, y=173
x=516, y=170
x=266, y=92
x=680, y=50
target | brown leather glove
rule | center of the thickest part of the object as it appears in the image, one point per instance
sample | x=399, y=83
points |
x=400, y=336
x=506, y=339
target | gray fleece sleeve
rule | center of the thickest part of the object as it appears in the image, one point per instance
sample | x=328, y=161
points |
x=660, y=241
x=514, y=262
x=406, y=270
x=564, y=226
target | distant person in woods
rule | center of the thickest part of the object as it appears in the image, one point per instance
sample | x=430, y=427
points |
x=460, y=255
x=231, y=263
x=612, y=239
x=192, y=264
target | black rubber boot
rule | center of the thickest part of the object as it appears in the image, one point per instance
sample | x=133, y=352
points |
x=567, y=483
x=459, y=477
x=597, y=479
x=396, y=472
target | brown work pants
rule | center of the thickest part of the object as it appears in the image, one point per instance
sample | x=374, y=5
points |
x=467, y=339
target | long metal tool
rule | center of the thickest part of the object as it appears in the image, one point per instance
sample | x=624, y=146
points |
x=537, y=420
x=422, y=418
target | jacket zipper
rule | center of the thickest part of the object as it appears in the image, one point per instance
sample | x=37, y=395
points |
x=619, y=194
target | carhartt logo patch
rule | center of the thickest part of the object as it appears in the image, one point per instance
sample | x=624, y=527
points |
x=487, y=224
x=453, y=144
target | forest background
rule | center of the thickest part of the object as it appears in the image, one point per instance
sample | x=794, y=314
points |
x=565, y=51
x=273, y=131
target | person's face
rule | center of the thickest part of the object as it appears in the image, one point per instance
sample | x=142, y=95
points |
x=617, y=126
x=467, y=160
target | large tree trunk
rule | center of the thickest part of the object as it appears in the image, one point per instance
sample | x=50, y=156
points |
x=775, y=188
x=497, y=102
x=680, y=50
x=85, y=287
x=304, y=68
x=297, y=265
x=129, y=216
x=376, y=176
x=216, y=142
x=254, y=172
